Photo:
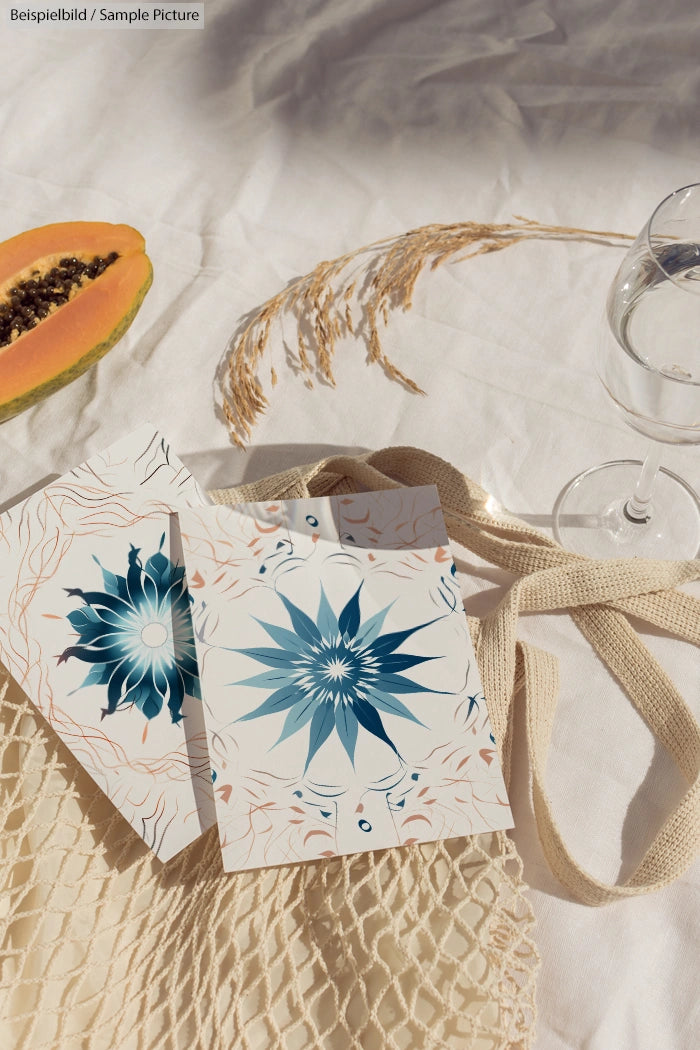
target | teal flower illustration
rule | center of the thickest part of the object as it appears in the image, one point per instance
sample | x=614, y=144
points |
x=335, y=674
x=138, y=636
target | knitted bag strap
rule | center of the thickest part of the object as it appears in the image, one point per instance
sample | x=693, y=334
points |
x=599, y=596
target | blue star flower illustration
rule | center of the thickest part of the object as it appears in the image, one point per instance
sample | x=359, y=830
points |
x=138, y=636
x=337, y=673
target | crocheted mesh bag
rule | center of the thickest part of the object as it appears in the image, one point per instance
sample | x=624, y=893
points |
x=104, y=946
x=421, y=947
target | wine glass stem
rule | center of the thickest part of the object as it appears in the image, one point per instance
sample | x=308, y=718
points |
x=638, y=506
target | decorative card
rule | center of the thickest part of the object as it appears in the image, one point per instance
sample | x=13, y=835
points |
x=95, y=625
x=341, y=695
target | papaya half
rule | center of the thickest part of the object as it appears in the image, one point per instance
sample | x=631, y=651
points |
x=68, y=293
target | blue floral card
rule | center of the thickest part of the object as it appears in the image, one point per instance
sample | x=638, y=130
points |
x=95, y=625
x=341, y=695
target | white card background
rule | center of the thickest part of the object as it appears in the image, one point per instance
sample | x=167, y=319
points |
x=342, y=700
x=91, y=532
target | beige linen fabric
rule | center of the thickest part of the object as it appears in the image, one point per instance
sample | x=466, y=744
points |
x=425, y=947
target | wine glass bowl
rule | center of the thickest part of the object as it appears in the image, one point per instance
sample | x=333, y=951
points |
x=649, y=363
x=649, y=356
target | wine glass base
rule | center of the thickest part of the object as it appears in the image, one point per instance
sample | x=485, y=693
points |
x=590, y=515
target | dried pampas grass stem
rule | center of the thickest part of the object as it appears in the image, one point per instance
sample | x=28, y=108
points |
x=353, y=295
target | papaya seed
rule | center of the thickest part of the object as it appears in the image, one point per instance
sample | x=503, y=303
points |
x=31, y=300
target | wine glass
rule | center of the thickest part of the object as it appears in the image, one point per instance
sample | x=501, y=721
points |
x=649, y=363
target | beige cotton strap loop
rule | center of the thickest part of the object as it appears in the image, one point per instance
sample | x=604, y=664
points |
x=673, y=848
x=599, y=595
x=593, y=582
x=677, y=613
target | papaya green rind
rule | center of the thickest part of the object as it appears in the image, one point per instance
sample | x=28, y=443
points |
x=30, y=397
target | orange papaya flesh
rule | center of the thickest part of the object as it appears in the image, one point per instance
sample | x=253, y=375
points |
x=68, y=292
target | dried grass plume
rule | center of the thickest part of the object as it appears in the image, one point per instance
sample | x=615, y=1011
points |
x=353, y=295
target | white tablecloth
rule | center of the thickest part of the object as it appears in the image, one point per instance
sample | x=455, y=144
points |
x=280, y=134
